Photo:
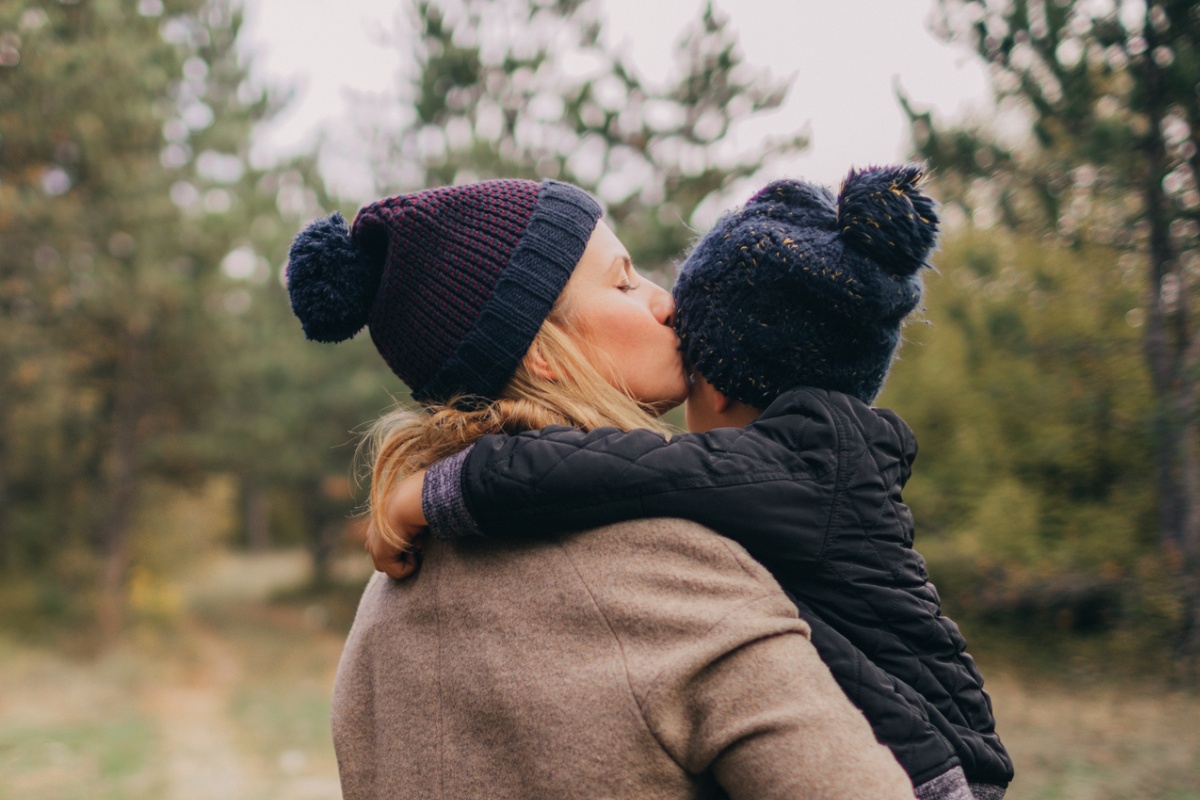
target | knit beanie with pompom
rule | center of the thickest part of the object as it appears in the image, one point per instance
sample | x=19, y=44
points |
x=799, y=288
x=453, y=283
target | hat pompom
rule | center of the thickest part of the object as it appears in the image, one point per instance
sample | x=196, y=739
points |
x=885, y=216
x=331, y=281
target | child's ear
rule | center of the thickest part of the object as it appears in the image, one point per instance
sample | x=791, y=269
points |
x=539, y=365
x=720, y=402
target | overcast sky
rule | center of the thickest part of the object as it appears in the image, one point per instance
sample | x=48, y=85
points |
x=845, y=59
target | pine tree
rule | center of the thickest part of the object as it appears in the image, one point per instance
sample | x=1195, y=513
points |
x=124, y=179
x=1029, y=394
x=527, y=88
x=1113, y=160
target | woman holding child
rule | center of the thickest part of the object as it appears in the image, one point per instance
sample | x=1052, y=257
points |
x=649, y=658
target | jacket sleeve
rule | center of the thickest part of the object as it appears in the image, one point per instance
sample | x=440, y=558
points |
x=726, y=677
x=773, y=723
x=764, y=486
x=901, y=719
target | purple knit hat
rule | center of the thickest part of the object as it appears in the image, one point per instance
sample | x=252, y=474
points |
x=453, y=283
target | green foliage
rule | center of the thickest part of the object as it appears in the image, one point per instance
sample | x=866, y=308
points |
x=159, y=397
x=1104, y=168
x=124, y=138
x=1034, y=488
x=112, y=753
x=528, y=89
x=1104, y=97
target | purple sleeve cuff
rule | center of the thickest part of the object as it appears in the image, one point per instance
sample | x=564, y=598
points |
x=442, y=500
x=951, y=785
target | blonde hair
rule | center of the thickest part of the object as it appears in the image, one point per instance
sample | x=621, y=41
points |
x=407, y=440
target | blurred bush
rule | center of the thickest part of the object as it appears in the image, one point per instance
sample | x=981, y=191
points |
x=1034, y=488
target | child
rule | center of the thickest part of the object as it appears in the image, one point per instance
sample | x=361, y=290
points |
x=789, y=314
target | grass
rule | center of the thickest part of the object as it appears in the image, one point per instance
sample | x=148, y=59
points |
x=68, y=729
x=1097, y=739
x=232, y=702
x=83, y=760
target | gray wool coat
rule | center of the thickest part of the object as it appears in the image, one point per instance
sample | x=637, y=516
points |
x=649, y=659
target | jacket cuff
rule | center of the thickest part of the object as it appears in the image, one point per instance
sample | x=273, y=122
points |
x=951, y=785
x=443, y=502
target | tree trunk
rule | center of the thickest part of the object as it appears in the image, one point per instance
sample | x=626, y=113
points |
x=1170, y=354
x=258, y=520
x=323, y=542
x=1188, y=550
x=6, y=534
x=122, y=487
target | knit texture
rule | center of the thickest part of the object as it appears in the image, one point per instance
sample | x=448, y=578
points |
x=453, y=283
x=950, y=785
x=800, y=288
x=442, y=497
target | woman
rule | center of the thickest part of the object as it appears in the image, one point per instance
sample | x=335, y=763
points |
x=652, y=659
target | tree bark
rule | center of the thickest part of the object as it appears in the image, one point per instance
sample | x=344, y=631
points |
x=1171, y=354
x=122, y=486
x=322, y=544
x=258, y=520
x=6, y=533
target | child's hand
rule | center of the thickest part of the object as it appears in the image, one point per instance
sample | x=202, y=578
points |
x=407, y=520
x=391, y=560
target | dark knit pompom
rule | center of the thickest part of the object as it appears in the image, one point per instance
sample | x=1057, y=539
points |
x=331, y=281
x=883, y=215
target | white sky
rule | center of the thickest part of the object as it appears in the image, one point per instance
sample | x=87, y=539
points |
x=845, y=59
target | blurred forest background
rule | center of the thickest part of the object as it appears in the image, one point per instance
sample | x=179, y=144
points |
x=178, y=553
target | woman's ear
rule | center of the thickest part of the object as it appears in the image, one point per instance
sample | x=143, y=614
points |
x=539, y=365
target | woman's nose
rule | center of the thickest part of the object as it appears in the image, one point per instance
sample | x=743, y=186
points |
x=663, y=306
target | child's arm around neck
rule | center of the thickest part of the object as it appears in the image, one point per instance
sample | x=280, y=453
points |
x=743, y=482
x=707, y=409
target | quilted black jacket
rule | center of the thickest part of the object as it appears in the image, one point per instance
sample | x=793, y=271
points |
x=812, y=490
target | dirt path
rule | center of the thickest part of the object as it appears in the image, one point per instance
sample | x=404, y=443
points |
x=205, y=754
x=206, y=751
x=198, y=739
x=228, y=701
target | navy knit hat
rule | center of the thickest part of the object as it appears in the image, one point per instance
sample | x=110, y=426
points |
x=453, y=283
x=801, y=289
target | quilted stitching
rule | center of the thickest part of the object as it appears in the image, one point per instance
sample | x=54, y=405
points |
x=812, y=490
